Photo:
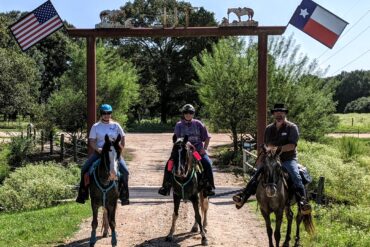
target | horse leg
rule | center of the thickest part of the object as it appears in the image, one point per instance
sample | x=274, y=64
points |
x=112, y=223
x=279, y=219
x=204, y=205
x=175, y=215
x=94, y=223
x=289, y=216
x=266, y=216
x=298, y=221
x=105, y=224
x=195, y=201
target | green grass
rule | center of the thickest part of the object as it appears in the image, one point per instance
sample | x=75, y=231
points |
x=361, y=123
x=44, y=227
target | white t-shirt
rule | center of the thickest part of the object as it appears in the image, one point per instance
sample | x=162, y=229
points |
x=100, y=129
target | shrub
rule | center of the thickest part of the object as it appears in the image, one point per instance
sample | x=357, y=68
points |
x=4, y=167
x=19, y=149
x=37, y=186
x=351, y=147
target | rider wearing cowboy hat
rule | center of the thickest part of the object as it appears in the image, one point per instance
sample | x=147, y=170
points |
x=281, y=137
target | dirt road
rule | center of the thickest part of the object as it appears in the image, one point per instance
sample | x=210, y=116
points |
x=146, y=222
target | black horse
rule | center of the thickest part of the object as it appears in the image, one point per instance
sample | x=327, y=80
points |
x=186, y=187
x=273, y=197
x=104, y=189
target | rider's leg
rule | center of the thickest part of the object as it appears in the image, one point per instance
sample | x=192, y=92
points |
x=208, y=178
x=123, y=182
x=82, y=191
x=292, y=168
x=241, y=198
x=166, y=184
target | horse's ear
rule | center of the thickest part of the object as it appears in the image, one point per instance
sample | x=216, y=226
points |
x=186, y=138
x=118, y=139
x=106, y=138
x=174, y=138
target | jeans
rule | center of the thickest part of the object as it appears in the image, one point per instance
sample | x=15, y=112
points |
x=122, y=165
x=291, y=167
x=207, y=166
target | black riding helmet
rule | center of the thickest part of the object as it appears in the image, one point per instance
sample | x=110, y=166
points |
x=187, y=108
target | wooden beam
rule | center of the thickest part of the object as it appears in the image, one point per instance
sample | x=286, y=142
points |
x=91, y=85
x=176, y=32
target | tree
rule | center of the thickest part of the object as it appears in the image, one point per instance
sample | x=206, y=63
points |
x=116, y=85
x=165, y=62
x=19, y=83
x=226, y=86
x=351, y=86
x=360, y=105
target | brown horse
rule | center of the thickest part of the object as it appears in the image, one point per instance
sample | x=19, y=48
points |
x=185, y=186
x=273, y=197
x=104, y=188
x=240, y=12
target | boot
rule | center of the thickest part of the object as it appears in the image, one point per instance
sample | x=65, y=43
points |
x=166, y=185
x=241, y=198
x=303, y=203
x=208, y=189
x=165, y=189
x=83, y=193
x=124, y=191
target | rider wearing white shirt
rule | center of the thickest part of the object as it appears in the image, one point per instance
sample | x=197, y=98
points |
x=106, y=126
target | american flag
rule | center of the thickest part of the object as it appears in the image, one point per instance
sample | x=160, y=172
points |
x=37, y=25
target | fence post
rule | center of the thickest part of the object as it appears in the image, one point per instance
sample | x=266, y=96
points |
x=74, y=139
x=320, y=190
x=28, y=131
x=42, y=140
x=244, y=161
x=51, y=142
x=34, y=135
x=62, y=147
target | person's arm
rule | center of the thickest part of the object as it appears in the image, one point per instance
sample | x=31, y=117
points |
x=122, y=143
x=93, y=145
x=206, y=143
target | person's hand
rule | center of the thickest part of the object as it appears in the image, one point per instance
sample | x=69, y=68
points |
x=191, y=146
x=271, y=149
x=203, y=151
x=99, y=150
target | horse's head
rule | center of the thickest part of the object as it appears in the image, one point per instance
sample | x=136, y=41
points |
x=110, y=154
x=272, y=172
x=181, y=155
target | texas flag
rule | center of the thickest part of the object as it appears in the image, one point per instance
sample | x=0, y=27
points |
x=318, y=22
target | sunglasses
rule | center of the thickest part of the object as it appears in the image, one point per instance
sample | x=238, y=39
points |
x=189, y=112
x=106, y=113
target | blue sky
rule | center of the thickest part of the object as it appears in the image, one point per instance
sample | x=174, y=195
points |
x=351, y=52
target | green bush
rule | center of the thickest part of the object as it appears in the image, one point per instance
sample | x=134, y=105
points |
x=19, y=149
x=37, y=186
x=346, y=182
x=351, y=147
x=151, y=126
x=4, y=167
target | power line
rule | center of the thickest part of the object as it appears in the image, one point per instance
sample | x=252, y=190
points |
x=341, y=49
x=352, y=26
x=351, y=62
x=353, y=6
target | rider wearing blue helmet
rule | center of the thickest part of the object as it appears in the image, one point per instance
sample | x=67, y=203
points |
x=106, y=126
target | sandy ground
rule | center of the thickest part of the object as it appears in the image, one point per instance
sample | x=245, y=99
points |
x=146, y=222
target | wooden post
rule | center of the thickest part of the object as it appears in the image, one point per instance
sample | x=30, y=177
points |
x=91, y=85
x=74, y=140
x=51, y=142
x=320, y=190
x=34, y=135
x=42, y=140
x=61, y=147
x=261, y=89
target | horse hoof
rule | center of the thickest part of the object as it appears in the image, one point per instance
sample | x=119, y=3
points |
x=204, y=242
x=169, y=239
x=194, y=229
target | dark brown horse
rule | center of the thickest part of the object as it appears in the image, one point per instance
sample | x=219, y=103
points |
x=273, y=197
x=185, y=186
x=104, y=188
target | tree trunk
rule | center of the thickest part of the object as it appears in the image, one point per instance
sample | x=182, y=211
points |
x=235, y=140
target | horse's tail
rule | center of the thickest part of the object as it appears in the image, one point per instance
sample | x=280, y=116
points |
x=308, y=223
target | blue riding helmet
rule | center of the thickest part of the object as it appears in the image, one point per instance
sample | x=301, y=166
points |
x=106, y=108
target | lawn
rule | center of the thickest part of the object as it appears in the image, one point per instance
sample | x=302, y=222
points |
x=354, y=123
